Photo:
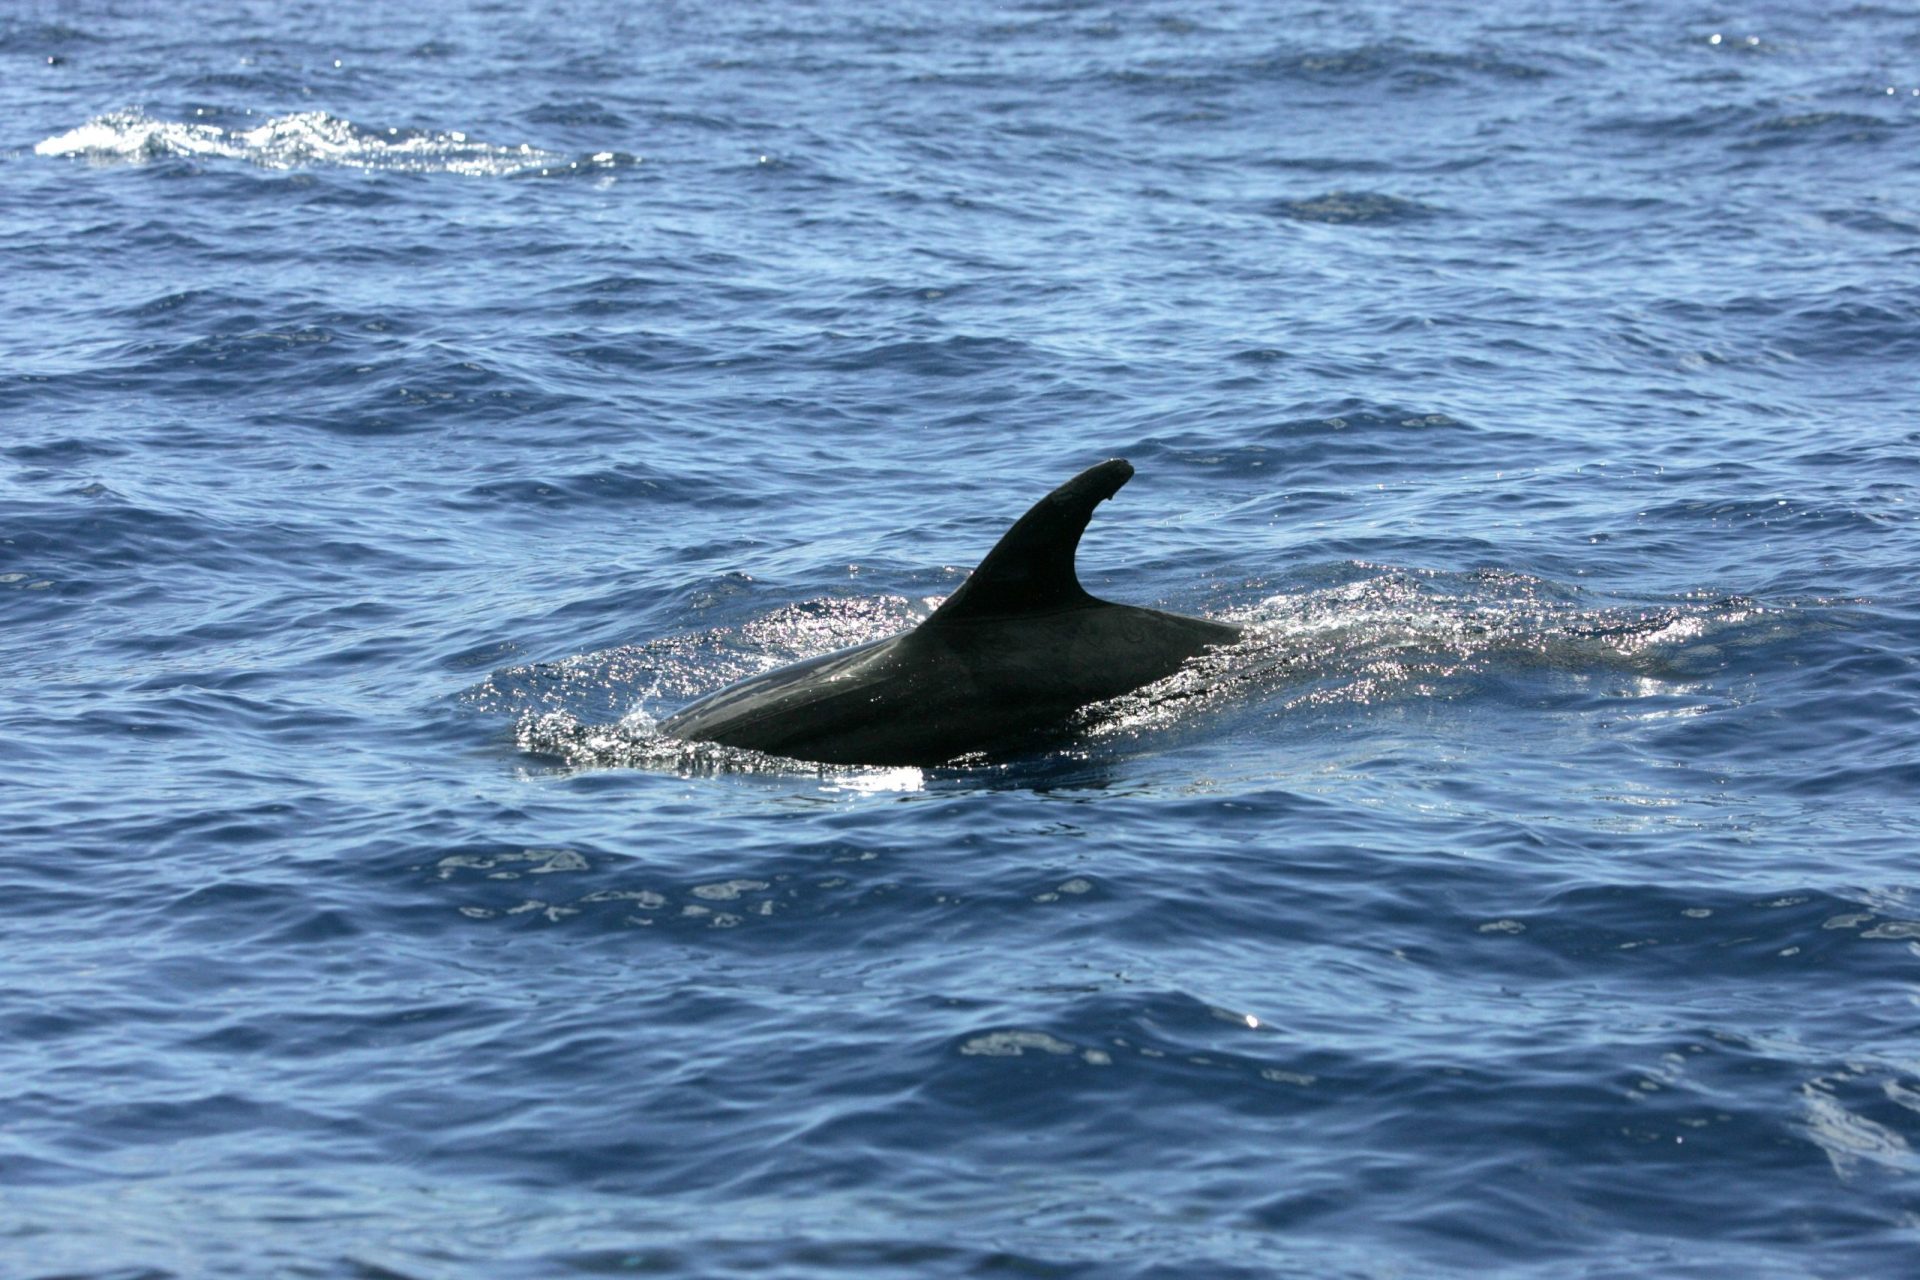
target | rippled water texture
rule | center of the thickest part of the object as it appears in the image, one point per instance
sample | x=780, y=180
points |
x=404, y=411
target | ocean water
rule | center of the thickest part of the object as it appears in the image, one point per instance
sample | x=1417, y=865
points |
x=403, y=409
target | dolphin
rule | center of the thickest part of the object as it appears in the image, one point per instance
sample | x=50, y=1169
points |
x=1014, y=651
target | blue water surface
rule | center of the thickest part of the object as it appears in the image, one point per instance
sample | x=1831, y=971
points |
x=404, y=408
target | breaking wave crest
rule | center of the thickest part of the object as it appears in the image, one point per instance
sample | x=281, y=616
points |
x=314, y=139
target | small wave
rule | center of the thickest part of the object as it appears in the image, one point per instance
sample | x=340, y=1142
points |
x=312, y=139
x=1874, y=221
x=1821, y=128
x=580, y=113
x=956, y=356
x=1405, y=64
x=1368, y=208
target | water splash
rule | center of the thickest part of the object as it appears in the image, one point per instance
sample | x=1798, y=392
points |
x=1381, y=635
x=1392, y=635
x=313, y=139
x=597, y=710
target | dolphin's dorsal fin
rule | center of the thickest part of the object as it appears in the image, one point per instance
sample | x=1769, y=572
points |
x=1030, y=570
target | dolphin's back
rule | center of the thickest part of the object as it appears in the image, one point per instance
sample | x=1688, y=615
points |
x=937, y=692
x=1015, y=650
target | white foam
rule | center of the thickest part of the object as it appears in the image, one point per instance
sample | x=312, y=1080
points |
x=301, y=140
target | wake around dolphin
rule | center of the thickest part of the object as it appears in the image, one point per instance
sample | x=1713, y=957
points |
x=1015, y=651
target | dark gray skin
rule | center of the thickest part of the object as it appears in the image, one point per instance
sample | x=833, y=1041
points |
x=1015, y=651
